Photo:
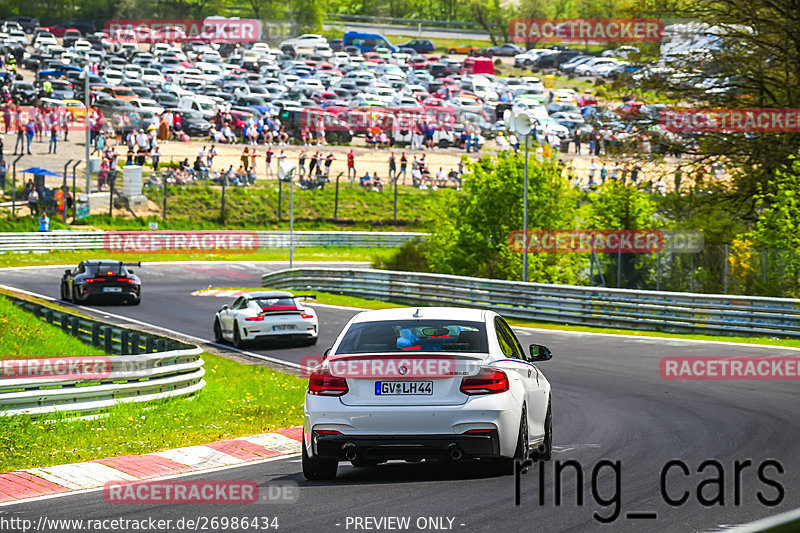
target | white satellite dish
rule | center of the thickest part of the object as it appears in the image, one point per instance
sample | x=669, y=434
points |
x=523, y=124
x=285, y=170
x=508, y=119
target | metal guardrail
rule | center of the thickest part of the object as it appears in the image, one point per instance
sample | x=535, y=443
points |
x=594, y=306
x=94, y=240
x=148, y=368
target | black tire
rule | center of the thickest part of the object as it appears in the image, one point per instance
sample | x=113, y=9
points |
x=521, y=451
x=135, y=301
x=443, y=143
x=74, y=297
x=547, y=453
x=452, y=51
x=64, y=296
x=315, y=469
x=310, y=342
x=218, y=332
x=237, y=338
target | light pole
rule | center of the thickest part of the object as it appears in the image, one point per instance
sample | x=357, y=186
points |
x=87, y=127
x=525, y=215
x=286, y=173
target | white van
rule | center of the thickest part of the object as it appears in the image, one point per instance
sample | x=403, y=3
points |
x=205, y=105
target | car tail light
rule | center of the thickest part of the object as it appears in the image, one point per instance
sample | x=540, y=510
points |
x=129, y=280
x=488, y=381
x=327, y=432
x=306, y=315
x=258, y=318
x=92, y=280
x=323, y=383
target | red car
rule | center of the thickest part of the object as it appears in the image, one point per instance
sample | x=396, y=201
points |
x=585, y=99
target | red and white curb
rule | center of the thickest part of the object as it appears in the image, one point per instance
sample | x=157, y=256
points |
x=228, y=293
x=37, y=482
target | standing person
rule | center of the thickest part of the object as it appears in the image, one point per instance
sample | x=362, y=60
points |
x=592, y=170
x=301, y=162
x=254, y=164
x=268, y=158
x=65, y=123
x=321, y=133
x=392, y=167
x=351, y=165
x=328, y=162
x=614, y=169
x=33, y=201
x=44, y=222
x=29, y=132
x=245, y=159
x=3, y=172
x=576, y=138
x=403, y=165
x=210, y=155
x=311, y=166
x=635, y=173
x=21, y=129
x=603, y=174
x=53, y=138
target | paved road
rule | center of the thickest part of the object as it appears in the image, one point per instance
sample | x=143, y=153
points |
x=609, y=404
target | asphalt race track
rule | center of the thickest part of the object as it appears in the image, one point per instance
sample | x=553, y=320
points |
x=614, y=417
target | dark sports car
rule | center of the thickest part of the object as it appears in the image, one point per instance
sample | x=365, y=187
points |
x=101, y=279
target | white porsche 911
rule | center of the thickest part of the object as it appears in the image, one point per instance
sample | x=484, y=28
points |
x=426, y=383
x=266, y=315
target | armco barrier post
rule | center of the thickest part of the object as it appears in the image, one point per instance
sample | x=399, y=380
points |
x=161, y=345
x=124, y=337
x=75, y=325
x=65, y=322
x=108, y=341
x=148, y=344
x=135, y=344
x=95, y=334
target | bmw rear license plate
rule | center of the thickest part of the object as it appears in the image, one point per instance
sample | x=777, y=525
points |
x=112, y=289
x=407, y=388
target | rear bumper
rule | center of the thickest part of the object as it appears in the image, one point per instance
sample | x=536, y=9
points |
x=405, y=447
x=96, y=292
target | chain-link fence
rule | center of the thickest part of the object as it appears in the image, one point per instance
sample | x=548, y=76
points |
x=717, y=269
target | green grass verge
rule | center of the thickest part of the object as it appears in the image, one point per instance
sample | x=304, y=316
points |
x=355, y=301
x=25, y=336
x=197, y=206
x=237, y=400
x=275, y=254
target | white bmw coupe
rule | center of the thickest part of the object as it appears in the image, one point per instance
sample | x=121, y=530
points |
x=266, y=315
x=424, y=384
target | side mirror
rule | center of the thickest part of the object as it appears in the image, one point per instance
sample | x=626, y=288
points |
x=224, y=308
x=68, y=271
x=540, y=353
x=326, y=352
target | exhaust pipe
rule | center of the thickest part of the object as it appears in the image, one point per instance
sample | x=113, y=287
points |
x=350, y=451
x=455, y=452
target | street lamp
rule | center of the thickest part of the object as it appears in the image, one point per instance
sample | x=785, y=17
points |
x=86, y=127
x=286, y=173
x=521, y=123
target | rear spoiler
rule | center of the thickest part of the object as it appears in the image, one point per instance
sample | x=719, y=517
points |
x=306, y=296
x=138, y=265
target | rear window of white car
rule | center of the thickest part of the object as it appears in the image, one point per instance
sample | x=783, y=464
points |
x=268, y=304
x=414, y=335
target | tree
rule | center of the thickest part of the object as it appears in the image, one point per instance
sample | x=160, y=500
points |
x=472, y=239
x=624, y=207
